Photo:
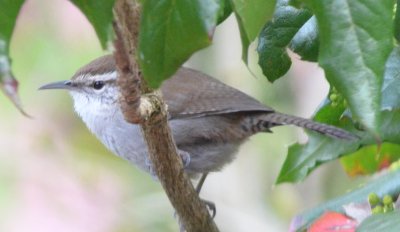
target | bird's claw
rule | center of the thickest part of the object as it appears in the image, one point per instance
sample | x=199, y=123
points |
x=211, y=207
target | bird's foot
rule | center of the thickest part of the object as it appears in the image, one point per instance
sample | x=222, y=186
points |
x=185, y=157
x=211, y=208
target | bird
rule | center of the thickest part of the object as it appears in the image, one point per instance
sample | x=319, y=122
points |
x=209, y=120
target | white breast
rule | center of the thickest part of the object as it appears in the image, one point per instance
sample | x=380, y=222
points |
x=108, y=124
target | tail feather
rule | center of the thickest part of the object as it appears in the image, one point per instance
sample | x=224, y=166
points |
x=284, y=119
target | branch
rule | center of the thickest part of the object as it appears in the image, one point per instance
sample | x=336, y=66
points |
x=150, y=111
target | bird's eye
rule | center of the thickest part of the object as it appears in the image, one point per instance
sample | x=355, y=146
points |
x=98, y=85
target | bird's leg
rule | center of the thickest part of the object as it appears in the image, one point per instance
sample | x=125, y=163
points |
x=210, y=205
x=185, y=156
x=201, y=182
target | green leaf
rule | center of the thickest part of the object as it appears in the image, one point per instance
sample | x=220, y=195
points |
x=297, y=3
x=245, y=42
x=276, y=35
x=391, y=126
x=100, y=15
x=304, y=158
x=387, y=184
x=8, y=16
x=171, y=31
x=225, y=11
x=385, y=222
x=355, y=41
x=251, y=16
x=391, y=83
x=397, y=22
x=370, y=159
x=330, y=114
x=305, y=43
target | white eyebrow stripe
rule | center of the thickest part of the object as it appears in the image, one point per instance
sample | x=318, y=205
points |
x=110, y=76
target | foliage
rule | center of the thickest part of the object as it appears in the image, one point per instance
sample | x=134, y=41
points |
x=275, y=37
x=387, y=184
x=355, y=43
x=177, y=23
x=100, y=16
x=251, y=16
x=381, y=222
x=8, y=83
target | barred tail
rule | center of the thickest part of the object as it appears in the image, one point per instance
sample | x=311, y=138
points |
x=284, y=119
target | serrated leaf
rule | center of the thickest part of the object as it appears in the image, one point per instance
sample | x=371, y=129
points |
x=353, y=51
x=171, y=31
x=305, y=43
x=100, y=15
x=276, y=35
x=385, y=222
x=387, y=184
x=391, y=83
x=8, y=17
x=251, y=16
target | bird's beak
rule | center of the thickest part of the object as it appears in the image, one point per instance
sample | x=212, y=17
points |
x=57, y=85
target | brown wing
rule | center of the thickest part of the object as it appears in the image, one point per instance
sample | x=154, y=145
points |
x=190, y=93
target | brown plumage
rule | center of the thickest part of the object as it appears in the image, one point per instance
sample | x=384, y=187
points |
x=209, y=120
x=191, y=94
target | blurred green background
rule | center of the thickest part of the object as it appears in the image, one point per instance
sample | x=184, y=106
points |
x=55, y=176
